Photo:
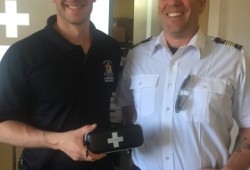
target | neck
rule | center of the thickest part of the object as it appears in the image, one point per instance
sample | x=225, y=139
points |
x=78, y=35
x=179, y=40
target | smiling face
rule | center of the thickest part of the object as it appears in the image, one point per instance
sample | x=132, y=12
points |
x=74, y=12
x=180, y=18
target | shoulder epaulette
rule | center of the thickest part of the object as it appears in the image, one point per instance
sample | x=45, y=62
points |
x=144, y=41
x=229, y=43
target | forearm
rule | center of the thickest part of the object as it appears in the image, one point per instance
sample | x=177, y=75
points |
x=20, y=134
x=240, y=157
x=70, y=142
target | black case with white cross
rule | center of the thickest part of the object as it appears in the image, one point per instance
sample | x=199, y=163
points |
x=114, y=139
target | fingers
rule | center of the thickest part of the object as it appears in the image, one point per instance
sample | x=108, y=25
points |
x=88, y=155
x=91, y=127
x=93, y=157
x=72, y=143
x=85, y=155
x=88, y=128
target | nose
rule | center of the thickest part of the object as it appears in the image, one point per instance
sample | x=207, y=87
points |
x=170, y=3
x=173, y=2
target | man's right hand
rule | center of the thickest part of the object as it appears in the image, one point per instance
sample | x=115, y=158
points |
x=72, y=144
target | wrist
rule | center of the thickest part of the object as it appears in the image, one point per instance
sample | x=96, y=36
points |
x=51, y=141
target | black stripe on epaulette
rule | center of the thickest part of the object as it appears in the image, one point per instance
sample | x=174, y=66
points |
x=144, y=41
x=229, y=43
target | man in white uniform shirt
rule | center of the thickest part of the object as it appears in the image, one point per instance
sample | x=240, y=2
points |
x=186, y=89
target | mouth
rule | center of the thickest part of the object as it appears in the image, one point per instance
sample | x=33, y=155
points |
x=74, y=6
x=174, y=14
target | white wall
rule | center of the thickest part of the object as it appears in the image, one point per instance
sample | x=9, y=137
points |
x=229, y=19
x=235, y=22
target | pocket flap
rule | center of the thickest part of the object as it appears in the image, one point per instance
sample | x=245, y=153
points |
x=143, y=81
x=210, y=85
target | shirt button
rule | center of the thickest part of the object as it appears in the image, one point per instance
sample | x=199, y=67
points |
x=170, y=85
x=167, y=109
x=167, y=158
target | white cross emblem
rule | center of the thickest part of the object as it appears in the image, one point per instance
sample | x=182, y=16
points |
x=11, y=19
x=115, y=139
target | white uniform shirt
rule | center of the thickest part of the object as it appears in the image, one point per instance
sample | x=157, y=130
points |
x=198, y=136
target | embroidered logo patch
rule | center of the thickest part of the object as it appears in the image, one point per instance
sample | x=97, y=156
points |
x=108, y=72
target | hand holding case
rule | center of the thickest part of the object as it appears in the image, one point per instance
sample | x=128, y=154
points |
x=114, y=139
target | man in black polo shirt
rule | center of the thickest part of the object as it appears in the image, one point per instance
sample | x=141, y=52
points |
x=55, y=86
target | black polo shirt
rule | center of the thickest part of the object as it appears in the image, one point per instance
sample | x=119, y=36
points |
x=51, y=84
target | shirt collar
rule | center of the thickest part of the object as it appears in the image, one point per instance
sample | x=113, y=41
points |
x=159, y=43
x=55, y=38
x=59, y=41
x=198, y=41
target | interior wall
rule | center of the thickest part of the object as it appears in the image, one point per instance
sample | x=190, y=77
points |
x=5, y=157
x=203, y=20
x=40, y=11
x=123, y=8
x=229, y=19
x=235, y=23
x=123, y=20
x=140, y=20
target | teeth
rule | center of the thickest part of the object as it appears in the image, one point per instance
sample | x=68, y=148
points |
x=74, y=6
x=175, y=14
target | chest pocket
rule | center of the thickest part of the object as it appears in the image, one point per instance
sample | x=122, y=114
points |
x=205, y=101
x=144, y=87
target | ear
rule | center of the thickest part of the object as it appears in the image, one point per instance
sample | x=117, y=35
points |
x=202, y=5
